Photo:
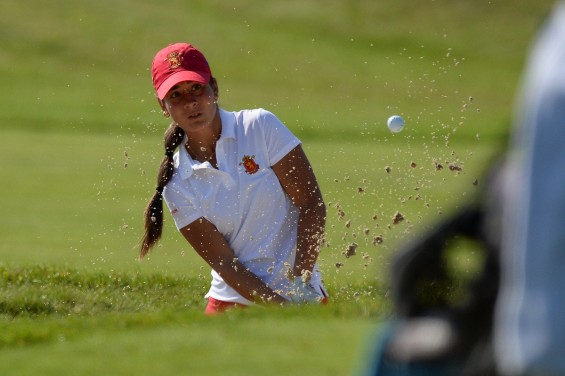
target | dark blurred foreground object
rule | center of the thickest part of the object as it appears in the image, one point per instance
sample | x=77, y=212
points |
x=435, y=333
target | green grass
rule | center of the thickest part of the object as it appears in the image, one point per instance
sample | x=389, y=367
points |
x=69, y=318
x=82, y=136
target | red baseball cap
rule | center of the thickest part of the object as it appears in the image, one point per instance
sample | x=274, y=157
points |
x=176, y=63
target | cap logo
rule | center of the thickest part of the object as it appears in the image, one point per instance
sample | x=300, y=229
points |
x=174, y=59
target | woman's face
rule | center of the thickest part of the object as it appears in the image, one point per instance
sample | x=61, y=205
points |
x=192, y=105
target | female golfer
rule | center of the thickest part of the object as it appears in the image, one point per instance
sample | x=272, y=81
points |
x=240, y=190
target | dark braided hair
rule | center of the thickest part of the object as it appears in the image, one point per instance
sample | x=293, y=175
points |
x=154, y=211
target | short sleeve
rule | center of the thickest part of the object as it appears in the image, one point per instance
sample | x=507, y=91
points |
x=181, y=205
x=278, y=138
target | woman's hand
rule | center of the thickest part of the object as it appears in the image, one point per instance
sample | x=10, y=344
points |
x=303, y=292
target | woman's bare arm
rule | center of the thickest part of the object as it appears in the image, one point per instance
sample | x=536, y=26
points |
x=299, y=182
x=210, y=244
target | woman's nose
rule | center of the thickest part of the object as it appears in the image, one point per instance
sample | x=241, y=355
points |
x=189, y=100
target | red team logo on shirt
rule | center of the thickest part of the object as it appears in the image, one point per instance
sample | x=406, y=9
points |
x=250, y=165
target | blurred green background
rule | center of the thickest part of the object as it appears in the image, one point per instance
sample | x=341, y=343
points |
x=81, y=134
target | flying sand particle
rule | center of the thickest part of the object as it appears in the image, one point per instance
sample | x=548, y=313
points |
x=340, y=214
x=306, y=276
x=288, y=272
x=455, y=167
x=397, y=218
x=377, y=240
x=350, y=251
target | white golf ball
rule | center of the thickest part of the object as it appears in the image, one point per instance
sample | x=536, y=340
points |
x=395, y=123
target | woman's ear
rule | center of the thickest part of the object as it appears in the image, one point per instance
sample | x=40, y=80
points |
x=163, y=108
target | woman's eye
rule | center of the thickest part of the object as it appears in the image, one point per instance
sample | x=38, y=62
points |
x=196, y=88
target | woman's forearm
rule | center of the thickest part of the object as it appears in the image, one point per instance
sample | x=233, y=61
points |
x=311, y=225
x=246, y=283
x=213, y=248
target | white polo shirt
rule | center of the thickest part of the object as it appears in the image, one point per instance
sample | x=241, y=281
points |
x=243, y=198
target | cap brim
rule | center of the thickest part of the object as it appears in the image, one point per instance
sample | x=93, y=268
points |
x=169, y=83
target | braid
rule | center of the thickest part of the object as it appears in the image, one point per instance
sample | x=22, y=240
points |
x=154, y=210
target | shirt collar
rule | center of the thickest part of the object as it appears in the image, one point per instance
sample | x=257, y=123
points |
x=182, y=160
x=228, y=124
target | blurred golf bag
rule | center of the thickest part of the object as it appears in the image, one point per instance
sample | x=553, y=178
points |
x=431, y=334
